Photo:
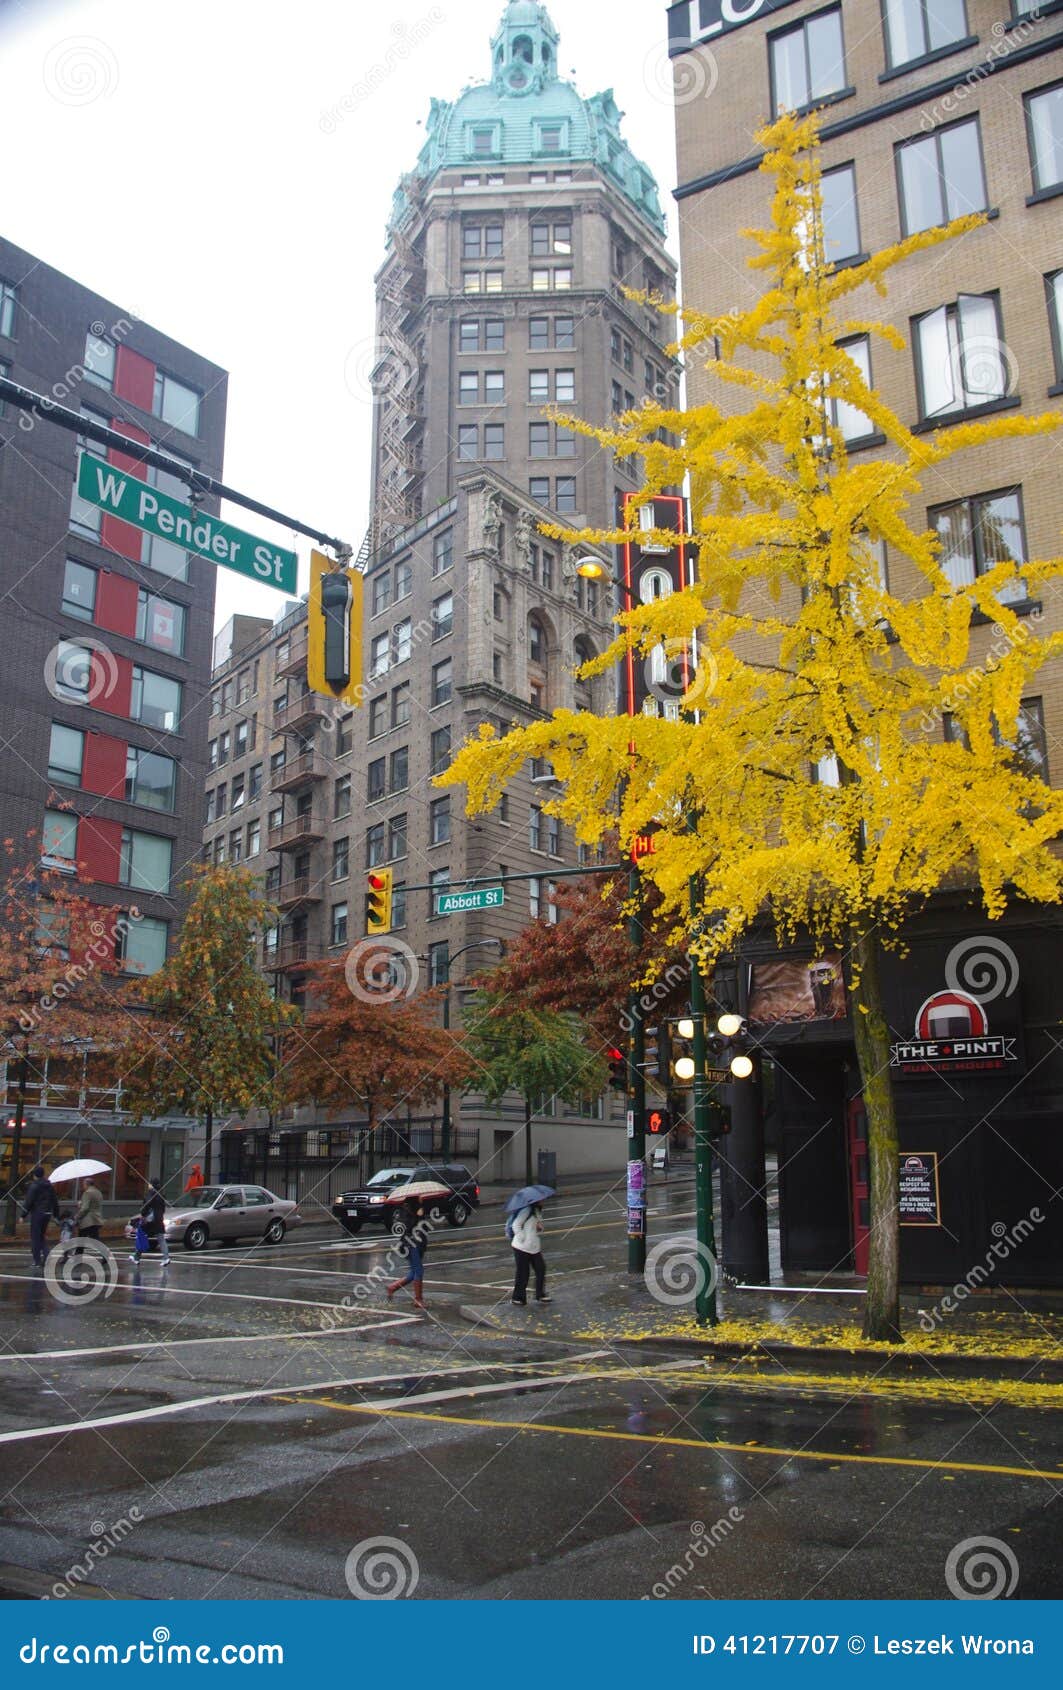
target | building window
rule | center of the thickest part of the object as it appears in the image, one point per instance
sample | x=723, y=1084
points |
x=549, y=137
x=565, y=387
x=254, y=782
x=156, y=701
x=494, y=387
x=808, y=61
x=59, y=836
x=398, y=907
x=1029, y=744
x=538, y=386
x=438, y=964
x=341, y=800
x=341, y=858
x=396, y=838
x=399, y=769
x=438, y=882
x=841, y=225
x=539, y=488
x=381, y=597
x=175, y=403
x=146, y=860
x=377, y=782
x=553, y=839
x=379, y=655
x=537, y=646
x=539, y=440
x=378, y=716
x=469, y=387
x=401, y=642
x=150, y=779
x=400, y=705
x=847, y=419
x=439, y=751
x=8, y=309
x=79, y=591
x=160, y=623
x=338, y=925
x=535, y=827
x=443, y=552
x=375, y=843
x=977, y=534
x=254, y=838
x=494, y=442
x=439, y=821
x=468, y=442
x=469, y=334
x=1044, y=126
x=403, y=580
x=164, y=556
x=565, y=493
x=442, y=682
x=916, y=28
x=549, y=239
x=239, y=792
x=959, y=362
x=1054, y=289
x=221, y=798
x=481, y=240
x=140, y=947
x=941, y=177
x=539, y=334
x=496, y=668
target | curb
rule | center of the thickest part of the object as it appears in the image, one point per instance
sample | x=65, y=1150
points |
x=27, y=1584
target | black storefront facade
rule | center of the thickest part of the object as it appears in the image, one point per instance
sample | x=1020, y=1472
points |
x=976, y=1018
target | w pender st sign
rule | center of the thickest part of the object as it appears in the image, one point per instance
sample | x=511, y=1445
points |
x=132, y=500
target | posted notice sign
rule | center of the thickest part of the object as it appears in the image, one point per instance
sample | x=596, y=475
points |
x=132, y=500
x=919, y=1197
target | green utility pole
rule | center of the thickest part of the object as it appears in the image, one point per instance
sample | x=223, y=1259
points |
x=705, y=1299
x=636, y=1099
x=477, y=944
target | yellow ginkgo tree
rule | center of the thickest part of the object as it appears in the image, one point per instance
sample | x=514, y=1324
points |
x=808, y=785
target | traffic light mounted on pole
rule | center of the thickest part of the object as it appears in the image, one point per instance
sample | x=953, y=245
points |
x=334, y=631
x=378, y=887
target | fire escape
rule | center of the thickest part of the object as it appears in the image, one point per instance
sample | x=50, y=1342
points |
x=398, y=379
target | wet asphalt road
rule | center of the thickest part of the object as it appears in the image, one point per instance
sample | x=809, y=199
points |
x=235, y=1431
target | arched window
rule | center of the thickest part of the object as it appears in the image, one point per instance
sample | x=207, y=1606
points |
x=523, y=51
x=537, y=642
x=583, y=652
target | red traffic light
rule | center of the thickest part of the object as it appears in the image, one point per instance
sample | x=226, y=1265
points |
x=614, y=1054
x=377, y=882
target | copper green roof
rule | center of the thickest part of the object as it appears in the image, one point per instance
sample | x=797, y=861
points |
x=528, y=115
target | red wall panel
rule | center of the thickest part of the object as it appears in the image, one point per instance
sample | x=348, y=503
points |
x=122, y=537
x=134, y=378
x=100, y=848
x=103, y=765
x=111, y=686
x=116, y=604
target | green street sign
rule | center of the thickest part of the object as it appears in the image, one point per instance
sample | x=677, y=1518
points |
x=457, y=903
x=133, y=501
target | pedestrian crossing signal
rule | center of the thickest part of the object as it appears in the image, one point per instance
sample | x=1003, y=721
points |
x=658, y=1121
x=378, y=901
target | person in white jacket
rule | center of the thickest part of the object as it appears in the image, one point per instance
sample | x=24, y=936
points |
x=527, y=1241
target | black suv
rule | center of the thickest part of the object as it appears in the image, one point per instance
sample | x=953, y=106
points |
x=353, y=1208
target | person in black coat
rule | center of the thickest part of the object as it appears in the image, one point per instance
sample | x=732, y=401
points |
x=152, y=1217
x=40, y=1206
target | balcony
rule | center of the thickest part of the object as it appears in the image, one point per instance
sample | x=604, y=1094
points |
x=311, y=707
x=299, y=771
x=291, y=956
x=291, y=894
x=295, y=662
x=301, y=830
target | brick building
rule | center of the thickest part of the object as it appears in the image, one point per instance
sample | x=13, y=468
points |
x=928, y=111
x=105, y=644
x=511, y=241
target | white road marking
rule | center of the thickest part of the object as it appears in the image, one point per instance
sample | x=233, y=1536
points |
x=277, y=1388
x=154, y=1283
x=399, y=1319
x=539, y=1384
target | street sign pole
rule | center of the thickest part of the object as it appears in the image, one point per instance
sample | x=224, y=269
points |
x=705, y=1296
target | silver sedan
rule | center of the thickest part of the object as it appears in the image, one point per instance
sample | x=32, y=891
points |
x=229, y=1213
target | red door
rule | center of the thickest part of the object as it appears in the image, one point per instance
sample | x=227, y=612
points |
x=859, y=1195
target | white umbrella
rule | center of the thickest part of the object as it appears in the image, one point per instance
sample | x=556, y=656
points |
x=80, y=1168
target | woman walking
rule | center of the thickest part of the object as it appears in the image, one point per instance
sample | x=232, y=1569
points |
x=151, y=1219
x=414, y=1246
x=527, y=1241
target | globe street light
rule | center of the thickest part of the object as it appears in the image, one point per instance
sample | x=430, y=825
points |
x=729, y=1025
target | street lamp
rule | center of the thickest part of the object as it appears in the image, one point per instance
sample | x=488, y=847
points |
x=729, y=1025
x=593, y=569
x=444, y=1131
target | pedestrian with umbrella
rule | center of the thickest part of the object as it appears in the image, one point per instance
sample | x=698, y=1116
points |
x=525, y=1232
x=89, y=1214
x=413, y=1244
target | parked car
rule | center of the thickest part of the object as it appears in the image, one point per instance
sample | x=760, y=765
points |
x=354, y=1208
x=229, y=1213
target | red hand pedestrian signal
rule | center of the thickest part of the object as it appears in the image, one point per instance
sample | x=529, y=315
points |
x=658, y=1121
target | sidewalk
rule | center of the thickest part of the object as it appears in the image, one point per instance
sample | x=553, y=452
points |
x=1000, y=1334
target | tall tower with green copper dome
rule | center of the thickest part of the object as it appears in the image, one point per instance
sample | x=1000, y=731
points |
x=511, y=239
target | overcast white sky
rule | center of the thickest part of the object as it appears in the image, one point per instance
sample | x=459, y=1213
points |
x=221, y=168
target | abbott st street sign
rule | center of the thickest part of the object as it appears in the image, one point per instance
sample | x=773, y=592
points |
x=484, y=898
x=132, y=500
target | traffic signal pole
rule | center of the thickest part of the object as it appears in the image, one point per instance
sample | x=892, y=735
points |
x=705, y=1296
x=636, y=1099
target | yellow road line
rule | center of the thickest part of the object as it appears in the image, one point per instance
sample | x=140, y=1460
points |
x=697, y=1443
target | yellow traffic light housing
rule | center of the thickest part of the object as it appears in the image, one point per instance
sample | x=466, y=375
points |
x=334, y=631
x=378, y=900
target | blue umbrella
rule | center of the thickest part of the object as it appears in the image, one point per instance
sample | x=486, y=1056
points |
x=528, y=1195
